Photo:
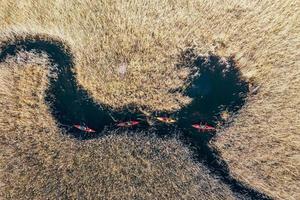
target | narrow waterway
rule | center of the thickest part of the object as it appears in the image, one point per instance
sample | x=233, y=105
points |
x=215, y=86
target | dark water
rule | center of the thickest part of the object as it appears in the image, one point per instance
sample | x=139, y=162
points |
x=215, y=85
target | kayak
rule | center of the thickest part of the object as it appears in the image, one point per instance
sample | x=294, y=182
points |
x=128, y=124
x=203, y=128
x=84, y=128
x=166, y=120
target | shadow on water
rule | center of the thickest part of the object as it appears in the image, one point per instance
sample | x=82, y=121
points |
x=215, y=86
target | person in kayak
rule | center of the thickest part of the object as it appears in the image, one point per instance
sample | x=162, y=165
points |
x=202, y=126
x=130, y=123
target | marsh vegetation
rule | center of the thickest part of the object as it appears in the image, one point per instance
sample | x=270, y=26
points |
x=39, y=160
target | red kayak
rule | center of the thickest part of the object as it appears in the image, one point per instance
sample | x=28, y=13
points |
x=203, y=128
x=84, y=128
x=128, y=124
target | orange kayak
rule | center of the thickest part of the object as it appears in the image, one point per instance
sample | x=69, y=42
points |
x=166, y=120
x=84, y=128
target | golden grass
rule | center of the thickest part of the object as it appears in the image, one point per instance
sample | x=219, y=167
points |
x=38, y=162
x=149, y=35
